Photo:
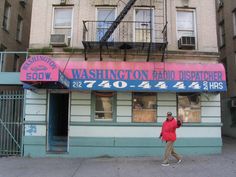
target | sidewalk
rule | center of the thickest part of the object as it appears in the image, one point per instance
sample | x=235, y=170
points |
x=223, y=165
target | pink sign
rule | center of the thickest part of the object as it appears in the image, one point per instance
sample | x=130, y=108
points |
x=143, y=71
x=125, y=76
x=39, y=68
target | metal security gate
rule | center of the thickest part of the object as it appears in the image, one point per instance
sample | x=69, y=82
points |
x=11, y=116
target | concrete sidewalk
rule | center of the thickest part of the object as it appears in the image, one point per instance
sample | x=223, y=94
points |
x=223, y=165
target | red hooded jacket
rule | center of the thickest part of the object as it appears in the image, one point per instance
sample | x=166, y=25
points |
x=168, y=132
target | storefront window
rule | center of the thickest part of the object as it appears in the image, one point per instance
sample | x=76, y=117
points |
x=189, y=107
x=104, y=106
x=144, y=107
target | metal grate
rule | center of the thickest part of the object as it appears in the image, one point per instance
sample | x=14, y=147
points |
x=11, y=115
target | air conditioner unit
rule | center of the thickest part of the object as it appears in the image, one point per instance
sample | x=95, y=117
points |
x=233, y=103
x=186, y=42
x=23, y=2
x=59, y=40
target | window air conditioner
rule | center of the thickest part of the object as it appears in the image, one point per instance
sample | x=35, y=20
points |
x=186, y=42
x=59, y=40
x=233, y=103
x=23, y=2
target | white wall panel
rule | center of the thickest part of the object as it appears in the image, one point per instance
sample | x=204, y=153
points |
x=39, y=94
x=80, y=110
x=124, y=111
x=80, y=118
x=124, y=119
x=81, y=95
x=105, y=131
x=124, y=96
x=166, y=96
x=35, y=118
x=81, y=102
x=194, y=132
x=35, y=130
x=35, y=109
x=36, y=101
x=211, y=111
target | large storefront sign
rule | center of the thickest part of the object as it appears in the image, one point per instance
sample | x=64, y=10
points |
x=127, y=76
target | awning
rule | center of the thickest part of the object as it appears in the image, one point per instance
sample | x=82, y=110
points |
x=42, y=72
x=125, y=76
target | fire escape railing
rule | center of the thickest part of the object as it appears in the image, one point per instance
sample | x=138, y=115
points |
x=127, y=31
x=127, y=35
x=117, y=21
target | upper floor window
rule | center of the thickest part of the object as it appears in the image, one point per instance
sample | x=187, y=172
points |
x=234, y=21
x=189, y=107
x=6, y=16
x=144, y=107
x=186, y=33
x=222, y=33
x=104, y=107
x=143, y=25
x=62, y=23
x=19, y=28
x=105, y=17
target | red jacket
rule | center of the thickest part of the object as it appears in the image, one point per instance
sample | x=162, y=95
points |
x=168, y=131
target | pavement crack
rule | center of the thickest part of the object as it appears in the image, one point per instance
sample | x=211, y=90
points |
x=77, y=169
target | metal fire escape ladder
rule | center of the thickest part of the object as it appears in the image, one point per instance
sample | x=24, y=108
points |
x=117, y=21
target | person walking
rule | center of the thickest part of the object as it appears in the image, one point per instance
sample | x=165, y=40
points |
x=168, y=134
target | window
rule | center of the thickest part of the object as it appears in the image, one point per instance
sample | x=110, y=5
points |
x=63, y=21
x=143, y=25
x=185, y=24
x=234, y=21
x=19, y=28
x=189, y=107
x=6, y=16
x=105, y=17
x=222, y=34
x=104, y=106
x=144, y=107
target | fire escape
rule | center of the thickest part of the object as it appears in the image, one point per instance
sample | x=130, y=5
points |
x=119, y=35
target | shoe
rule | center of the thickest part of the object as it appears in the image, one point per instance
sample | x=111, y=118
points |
x=179, y=161
x=165, y=164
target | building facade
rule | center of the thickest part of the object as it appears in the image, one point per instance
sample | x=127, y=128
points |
x=103, y=73
x=226, y=22
x=15, y=17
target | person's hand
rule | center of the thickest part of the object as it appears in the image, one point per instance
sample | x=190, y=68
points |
x=180, y=118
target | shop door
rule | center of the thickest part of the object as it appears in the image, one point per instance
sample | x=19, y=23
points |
x=58, y=122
